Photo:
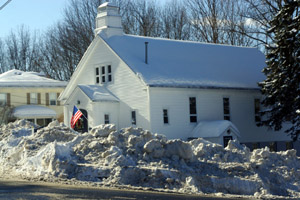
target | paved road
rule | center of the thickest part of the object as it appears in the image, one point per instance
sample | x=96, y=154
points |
x=27, y=190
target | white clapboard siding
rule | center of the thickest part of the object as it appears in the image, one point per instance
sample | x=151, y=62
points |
x=131, y=91
x=209, y=107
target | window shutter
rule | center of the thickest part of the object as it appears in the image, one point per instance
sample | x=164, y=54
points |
x=47, y=99
x=8, y=99
x=58, y=103
x=28, y=98
x=39, y=98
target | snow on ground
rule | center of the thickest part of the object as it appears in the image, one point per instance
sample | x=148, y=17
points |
x=137, y=158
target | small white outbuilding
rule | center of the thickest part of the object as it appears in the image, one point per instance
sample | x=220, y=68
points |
x=168, y=86
x=217, y=131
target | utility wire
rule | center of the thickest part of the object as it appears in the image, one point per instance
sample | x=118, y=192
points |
x=5, y=4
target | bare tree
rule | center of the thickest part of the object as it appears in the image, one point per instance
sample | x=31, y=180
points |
x=259, y=15
x=66, y=42
x=141, y=17
x=175, y=21
x=3, y=65
x=207, y=19
x=22, y=49
x=219, y=21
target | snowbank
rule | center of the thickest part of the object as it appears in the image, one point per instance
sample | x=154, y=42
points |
x=137, y=158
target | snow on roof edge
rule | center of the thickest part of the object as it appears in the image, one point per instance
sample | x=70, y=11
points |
x=189, y=41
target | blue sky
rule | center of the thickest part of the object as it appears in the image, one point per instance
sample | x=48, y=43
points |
x=34, y=14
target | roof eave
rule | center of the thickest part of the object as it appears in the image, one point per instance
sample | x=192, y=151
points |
x=203, y=87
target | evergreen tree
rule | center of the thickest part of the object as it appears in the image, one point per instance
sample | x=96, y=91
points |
x=282, y=85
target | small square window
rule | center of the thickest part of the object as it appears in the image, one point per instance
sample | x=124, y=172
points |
x=193, y=119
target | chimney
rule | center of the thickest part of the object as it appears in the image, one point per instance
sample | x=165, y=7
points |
x=146, y=52
x=108, y=20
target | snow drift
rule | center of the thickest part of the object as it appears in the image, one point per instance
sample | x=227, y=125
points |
x=135, y=157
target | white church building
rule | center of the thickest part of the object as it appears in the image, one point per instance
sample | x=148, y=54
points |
x=181, y=89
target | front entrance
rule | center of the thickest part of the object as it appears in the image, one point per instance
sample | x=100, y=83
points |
x=82, y=123
x=226, y=140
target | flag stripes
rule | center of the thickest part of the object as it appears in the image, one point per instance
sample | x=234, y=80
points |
x=75, y=116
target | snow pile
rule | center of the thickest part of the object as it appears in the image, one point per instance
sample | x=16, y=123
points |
x=137, y=158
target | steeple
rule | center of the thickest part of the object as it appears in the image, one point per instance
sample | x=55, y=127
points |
x=109, y=20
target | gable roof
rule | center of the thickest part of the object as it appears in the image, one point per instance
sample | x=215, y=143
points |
x=173, y=63
x=214, y=128
x=98, y=93
x=18, y=78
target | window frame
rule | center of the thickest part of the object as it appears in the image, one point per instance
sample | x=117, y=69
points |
x=103, y=73
x=192, y=115
x=53, y=94
x=33, y=100
x=166, y=117
x=133, y=118
x=257, y=114
x=109, y=73
x=4, y=100
x=108, y=118
x=97, y=74
x=226, y=116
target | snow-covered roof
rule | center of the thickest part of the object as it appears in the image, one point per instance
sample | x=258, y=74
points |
x=98, y=93
x=214, y=128
x=33, y=111
x=107, y=4
x=174, y=63
x=18, y=78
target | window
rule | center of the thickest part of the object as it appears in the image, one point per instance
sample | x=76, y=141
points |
x=43, y=122
x=165, y=116
x=52, y=99
x=133, y=117
x=109, y=78
x=106, y=119
x=3, y=99
x=97, y=75
x=33, y=98
x=289, y=145
x=103, y=74
x=257, y=110
x=193, y=110
x=226, y=109
x=255, y=145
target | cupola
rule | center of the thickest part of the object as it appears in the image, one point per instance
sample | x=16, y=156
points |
x=109, y=20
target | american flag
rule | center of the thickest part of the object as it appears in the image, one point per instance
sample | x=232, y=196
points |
x=76, y=115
